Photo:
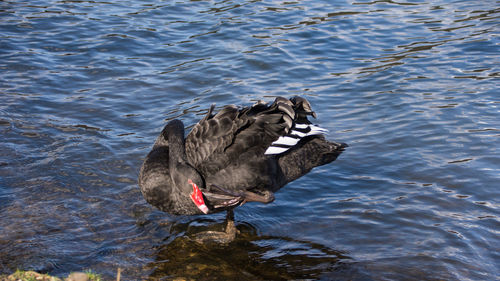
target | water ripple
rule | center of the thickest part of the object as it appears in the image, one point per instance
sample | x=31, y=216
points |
x=411, y=86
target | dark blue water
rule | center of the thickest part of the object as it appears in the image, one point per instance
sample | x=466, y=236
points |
x=411, y=86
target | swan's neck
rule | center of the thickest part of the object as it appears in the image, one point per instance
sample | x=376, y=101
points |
x=176, y=148
x=181, y=172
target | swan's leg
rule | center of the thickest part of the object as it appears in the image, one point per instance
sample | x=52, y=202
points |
x=231, y=230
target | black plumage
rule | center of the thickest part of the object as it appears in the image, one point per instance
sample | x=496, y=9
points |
x=234, y=156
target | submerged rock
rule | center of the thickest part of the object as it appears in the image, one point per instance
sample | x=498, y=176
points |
x=78, y=276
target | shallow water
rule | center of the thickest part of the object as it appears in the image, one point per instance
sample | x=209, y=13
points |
x=411, y=86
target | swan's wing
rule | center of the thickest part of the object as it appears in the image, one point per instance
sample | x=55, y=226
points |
x=300, y=128
x=233, y=135
x=211, y=135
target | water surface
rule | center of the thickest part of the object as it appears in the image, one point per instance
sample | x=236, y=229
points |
x=411, y=86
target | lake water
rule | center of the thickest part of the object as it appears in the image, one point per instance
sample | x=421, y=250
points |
x=411, y=86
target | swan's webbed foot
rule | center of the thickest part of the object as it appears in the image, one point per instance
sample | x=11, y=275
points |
x=239, y=197
x=221, y=237
x=264, y=196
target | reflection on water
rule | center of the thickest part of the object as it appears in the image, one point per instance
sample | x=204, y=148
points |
x=249, y=257
x=412, y=86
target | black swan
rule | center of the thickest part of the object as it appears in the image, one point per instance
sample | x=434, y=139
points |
x=235, y=156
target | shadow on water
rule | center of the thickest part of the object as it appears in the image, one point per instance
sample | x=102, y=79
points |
x=249, y=257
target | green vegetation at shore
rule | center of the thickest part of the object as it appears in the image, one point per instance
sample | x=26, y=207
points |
x=21, y=275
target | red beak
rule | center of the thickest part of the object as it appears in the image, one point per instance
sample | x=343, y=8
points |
x=197, y=198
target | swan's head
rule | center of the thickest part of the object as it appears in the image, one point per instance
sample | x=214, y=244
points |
x=189, y=183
